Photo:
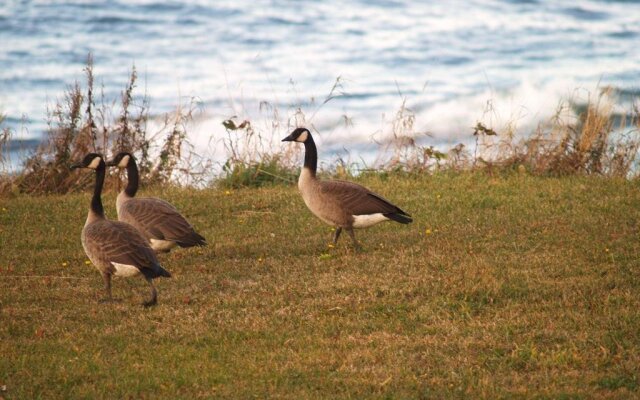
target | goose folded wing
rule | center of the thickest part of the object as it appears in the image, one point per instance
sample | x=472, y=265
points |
x=121, y=243
x=159, y=218
x=358, y=200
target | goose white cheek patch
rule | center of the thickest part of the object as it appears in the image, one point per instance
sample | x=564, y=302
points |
x=94, y=163
x=124, y=162
x=303, y=137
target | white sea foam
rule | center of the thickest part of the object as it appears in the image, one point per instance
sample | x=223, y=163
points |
x=448, y=60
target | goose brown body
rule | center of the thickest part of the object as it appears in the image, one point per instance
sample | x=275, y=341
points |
x=345, y=205
x=116, y=248
x=112, y=246
x=157, y=220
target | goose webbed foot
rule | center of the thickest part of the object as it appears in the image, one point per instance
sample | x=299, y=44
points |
x=154, y=295
x=356, y=245
x=150, y=303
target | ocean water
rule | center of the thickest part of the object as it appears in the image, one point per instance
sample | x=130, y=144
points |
x=449, y=62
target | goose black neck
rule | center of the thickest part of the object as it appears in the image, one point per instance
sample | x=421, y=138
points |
x=310, y=155
x=132, y=178
x=96, y=201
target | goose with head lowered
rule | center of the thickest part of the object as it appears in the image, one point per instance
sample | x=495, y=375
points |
x=345, y=205
x=159, y=221
x=116, y=248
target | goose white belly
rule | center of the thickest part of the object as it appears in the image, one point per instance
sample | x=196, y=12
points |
x=125, y=270
x=161, y=245
x=365, y=221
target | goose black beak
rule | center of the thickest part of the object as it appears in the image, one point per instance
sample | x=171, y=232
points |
x=75, y=165
x=288, y=138
x=111, y=163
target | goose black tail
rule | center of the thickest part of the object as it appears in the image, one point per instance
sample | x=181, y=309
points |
x=195, y=239
x=401, y=218
x=163, y=272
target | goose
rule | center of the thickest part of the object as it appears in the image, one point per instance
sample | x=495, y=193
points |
x=158, y=221
x=344, y=205
x=116, y=248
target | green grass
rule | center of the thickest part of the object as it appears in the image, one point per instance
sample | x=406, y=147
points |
x=503, y=287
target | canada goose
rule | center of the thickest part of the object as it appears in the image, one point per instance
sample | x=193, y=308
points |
x=345, y=205
x=114, y=247
x=156, y=219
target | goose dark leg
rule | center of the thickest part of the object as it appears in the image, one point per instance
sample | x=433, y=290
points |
x=353, y=237
x=107, y=288
x=336, y=235
x=154, y=295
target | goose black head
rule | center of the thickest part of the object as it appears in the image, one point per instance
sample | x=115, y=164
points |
x=121, y=160
x=299, y=135
x=91, y=160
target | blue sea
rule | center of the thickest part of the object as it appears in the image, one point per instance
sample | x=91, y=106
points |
x=450, y=63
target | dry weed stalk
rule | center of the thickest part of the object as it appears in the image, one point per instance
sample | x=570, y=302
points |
x=402, y=151
x=5, y=140
x=574, y=141
x=594, y=140
x=76, y=126
x=254, y=155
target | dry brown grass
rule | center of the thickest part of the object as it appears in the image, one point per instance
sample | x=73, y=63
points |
x=80, y=123
x=593, y=140
x=515, y=286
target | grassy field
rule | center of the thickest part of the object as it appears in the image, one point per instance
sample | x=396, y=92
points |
x=503, y=287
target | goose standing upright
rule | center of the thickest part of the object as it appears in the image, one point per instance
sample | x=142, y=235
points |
x=157, y=220
x=114, y=247
x=345, y=205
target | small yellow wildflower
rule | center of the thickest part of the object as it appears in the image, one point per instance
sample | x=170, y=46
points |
x=260, y=259
x=4, y=209
x=227, y=193
x=64, y=264
x=427, y=232
x=330, y=246
x=87, y=262
x=606, y=250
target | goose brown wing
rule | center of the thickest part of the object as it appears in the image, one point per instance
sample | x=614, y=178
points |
x=121, y=243
x=159, y=218
x=356, y=199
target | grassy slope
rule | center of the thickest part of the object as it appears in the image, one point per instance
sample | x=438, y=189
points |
x=525, y=286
